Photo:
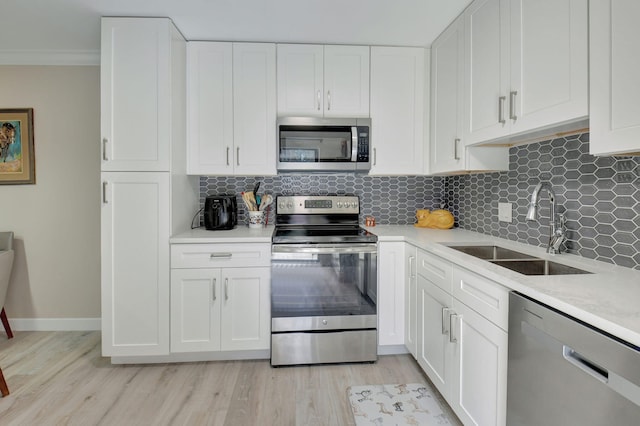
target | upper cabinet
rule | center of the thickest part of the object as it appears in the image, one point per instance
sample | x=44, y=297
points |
x=231, y=108
x=526, y=69
x=448, y=153
x=135, y=82
x=398, y=110
x=614, y=67
x=323, y=81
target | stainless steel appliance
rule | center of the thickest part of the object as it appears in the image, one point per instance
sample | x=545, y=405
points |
x=564, y=372
x=220, y=212
x=323, y=144
x=323, y=282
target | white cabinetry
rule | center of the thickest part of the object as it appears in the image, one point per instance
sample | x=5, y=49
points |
x=398, y=110
x=135, y=84
x=146, y=194
x=231, y=108
x=526, y=65
x=135, y=253
x=411, y=299
x=448, y=152
x=462, y=339
x=614, y=69
x=390, y=300
x=329, y=81
x=220, y=297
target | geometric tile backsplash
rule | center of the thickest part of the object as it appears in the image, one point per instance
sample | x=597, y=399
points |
x=599, y=196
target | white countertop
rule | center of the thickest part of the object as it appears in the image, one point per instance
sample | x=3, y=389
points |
x=608, y=298
x=239, y=234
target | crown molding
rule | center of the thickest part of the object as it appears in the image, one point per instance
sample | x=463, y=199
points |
x=50, y=57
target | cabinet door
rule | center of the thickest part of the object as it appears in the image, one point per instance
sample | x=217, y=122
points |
x=346, y=81
x=614, y=69
x=486, y=71
x=397, y=110
x=135, y=94
x=391, y=281
x=446, y=143
x=209, y=108
x=135, y=263
x=254, y=108
x=434, y=350
x=411, y=299
x=195, y=310
x=480, y=368
x=549, y=63
x=246, y=309
x=300, y=80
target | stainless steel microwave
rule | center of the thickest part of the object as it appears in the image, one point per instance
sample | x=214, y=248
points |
x=309, y=144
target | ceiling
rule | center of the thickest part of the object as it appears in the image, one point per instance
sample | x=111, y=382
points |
x=46, y=28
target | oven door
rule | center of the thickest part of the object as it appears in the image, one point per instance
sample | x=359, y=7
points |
x=323, y=280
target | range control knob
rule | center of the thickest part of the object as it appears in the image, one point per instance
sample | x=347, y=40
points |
x=339, y=204
x=290, y=205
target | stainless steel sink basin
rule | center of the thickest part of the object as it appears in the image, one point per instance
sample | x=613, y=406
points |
x=491, y=252
x=538, y=267
x=518, y=262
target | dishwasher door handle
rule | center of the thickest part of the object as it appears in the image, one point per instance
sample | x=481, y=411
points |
x=584, y=364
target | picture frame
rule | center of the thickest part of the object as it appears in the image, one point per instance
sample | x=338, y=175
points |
x=17, y=157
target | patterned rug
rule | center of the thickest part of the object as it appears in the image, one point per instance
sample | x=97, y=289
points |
x=411, y=404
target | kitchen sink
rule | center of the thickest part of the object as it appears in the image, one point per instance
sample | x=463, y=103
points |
x=491, y=252
x=538, y=267
x=519, y=262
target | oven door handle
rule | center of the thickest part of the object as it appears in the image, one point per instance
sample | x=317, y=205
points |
x=324, y=248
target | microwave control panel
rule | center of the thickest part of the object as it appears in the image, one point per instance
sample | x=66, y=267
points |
x=363, y=144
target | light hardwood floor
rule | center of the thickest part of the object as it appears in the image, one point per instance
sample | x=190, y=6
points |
x=60, y=378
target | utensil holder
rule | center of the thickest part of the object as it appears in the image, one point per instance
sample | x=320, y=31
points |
x=256, y=219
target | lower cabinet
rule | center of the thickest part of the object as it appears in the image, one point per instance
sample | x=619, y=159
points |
x=390, y=300
x=224, y=308
x=463, y=353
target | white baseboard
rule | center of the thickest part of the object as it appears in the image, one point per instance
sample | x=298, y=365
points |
x=55, y=324
x=392, y=350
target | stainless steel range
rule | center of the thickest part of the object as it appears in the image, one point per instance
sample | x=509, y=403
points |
x=323, y=282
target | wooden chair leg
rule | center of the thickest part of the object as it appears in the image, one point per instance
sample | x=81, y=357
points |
x=5, y=322
x=4, y=389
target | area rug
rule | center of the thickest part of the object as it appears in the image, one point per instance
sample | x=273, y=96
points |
x=411, y=404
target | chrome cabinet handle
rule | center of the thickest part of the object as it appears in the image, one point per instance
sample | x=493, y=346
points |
x=375, y=157
x=412, y=274
x=226, y=289
x=104, y=193
x=219, y=255
x=104, y=149
x=452, y=337
x=501, y=101
x=445, y=321
x=328, y=100
x=214, y=289
x=238, y=156
x=456, y=141
x=512, y=105
x=318, y=100
x=227, y=156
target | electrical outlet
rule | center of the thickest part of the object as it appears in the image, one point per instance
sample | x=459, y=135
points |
x=505, y=212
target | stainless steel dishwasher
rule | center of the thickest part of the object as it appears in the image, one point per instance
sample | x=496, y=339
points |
x=565, y=372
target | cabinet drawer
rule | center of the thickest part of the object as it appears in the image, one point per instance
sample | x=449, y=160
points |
x=484, y=296
x=220, y=255
x=435, y=269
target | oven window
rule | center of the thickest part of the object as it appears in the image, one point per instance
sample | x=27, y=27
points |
x=323, y=284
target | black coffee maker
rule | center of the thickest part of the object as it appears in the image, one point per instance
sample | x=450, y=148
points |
x=220, y=212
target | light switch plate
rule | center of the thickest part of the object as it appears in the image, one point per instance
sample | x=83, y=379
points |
x=505, y=212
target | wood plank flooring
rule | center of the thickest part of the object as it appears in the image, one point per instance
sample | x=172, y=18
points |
x=60, y=378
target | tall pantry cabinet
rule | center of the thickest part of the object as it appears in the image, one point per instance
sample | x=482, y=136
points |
x=146, y=193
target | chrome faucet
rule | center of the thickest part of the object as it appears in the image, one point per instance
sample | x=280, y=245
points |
x=556, y=221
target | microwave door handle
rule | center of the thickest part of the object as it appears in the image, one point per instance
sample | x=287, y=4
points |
x=354, y=144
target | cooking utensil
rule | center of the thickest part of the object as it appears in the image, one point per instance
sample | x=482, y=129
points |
x=267, y=199
x=250, y=201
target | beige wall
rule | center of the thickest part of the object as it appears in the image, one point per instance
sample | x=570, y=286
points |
x=56, y=221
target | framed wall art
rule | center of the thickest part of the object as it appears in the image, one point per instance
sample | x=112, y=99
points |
x=17, y=159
